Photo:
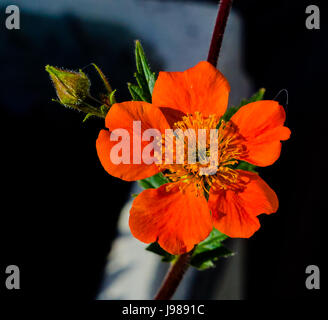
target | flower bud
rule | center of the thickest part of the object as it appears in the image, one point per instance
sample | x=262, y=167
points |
x=71, y=87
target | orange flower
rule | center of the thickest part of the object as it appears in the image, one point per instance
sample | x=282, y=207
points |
x=177, y=214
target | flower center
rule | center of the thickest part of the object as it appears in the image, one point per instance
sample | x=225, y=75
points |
x=202, y=151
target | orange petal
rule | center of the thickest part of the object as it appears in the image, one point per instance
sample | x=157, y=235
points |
x=201, y=88
x=235, y=212
x=127, y=172
x=261, y=123
x=176, y=220
x=121, y=116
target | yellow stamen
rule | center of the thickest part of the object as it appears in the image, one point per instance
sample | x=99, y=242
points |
x=183, y=172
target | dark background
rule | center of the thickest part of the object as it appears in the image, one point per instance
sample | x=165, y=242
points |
x=59, y=208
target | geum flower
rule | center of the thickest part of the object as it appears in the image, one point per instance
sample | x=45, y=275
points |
x=177, y=215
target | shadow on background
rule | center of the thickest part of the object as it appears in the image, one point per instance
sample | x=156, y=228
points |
x=59, y=207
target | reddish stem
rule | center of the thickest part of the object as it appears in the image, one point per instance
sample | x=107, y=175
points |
x=177, y=271
x=218, y=32
x=173, y=277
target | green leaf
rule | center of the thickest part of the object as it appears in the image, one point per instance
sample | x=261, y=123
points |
x=153, y=182
x=209, y=251
x=155, y=248
x=205, y=254
x=206, y=259
x=143, y=67
x=146, y=96
x=232, y=110
x=211, y=242
x=144, y=76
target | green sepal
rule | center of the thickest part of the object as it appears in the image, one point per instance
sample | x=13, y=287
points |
x=153, y=182
x=232, y=110
x=88, y=115
x=109, y=97
x=257, y=96
x=112, y=98
x=104, y=79
x=104, y=109
x=155, y=248
x=136, y=92
x=229, y=113
x=145, y=184
x=243, y=165
x=209, y=251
